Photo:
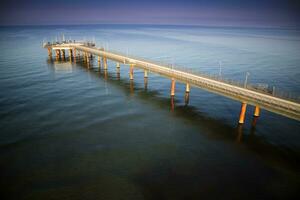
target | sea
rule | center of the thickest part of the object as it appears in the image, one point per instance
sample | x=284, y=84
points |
x=71, y=130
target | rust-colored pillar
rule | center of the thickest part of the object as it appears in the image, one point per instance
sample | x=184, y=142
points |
x=255, y=116
x=57, y=51
x=74, y=53
x=173, y=87
x=63, y=53
x=256, y=111
x=105, y=63
x=70, y=53
x=131, y=72
x=49, y=51
x=99, y=59
x=243, y=113
x=87, y=57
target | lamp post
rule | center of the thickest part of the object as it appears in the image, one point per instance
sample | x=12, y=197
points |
x=246, y=79
x=220, y=68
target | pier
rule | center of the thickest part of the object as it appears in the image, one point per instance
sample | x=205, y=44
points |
x=245, y=95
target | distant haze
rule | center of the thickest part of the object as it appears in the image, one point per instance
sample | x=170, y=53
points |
x=260, y=13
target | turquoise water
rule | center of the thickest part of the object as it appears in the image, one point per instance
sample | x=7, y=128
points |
x=69, y=131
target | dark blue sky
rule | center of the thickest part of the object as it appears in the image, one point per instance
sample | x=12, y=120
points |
x=188, y=12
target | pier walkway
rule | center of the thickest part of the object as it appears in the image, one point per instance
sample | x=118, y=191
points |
x=243, y=94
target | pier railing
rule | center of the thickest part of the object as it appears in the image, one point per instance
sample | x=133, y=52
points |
x=259, y=87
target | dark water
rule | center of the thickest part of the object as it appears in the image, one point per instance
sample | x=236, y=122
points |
x=69, y=131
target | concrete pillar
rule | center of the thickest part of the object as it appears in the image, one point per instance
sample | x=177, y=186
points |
x=104, y=63
x=242, y=113
x=63, y=53
x=173, y=87
x=187, y=94
x=87, y=57
x=74, y=53
x=57, y=51
x=187, y=88
x=131, y=72
x=118, y=65
x=49, y=51
x=256, y=111
x=99, y=59
x=145, y=74
x=70, y=53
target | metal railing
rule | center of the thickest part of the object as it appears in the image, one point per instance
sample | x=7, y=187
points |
x=259, y=87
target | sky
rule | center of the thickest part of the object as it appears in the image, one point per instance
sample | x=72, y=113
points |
x=254, y=13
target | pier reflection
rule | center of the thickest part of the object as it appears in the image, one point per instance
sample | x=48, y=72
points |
x=215, y=129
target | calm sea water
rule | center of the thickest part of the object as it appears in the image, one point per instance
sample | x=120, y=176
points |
x=73, y=132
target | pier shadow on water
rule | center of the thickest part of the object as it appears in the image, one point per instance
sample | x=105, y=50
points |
x=168, y=179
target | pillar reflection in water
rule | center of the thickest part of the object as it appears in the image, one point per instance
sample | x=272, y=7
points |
x=105, y=74
x=131, y=87
x=146, y=83
x=172, y=103
x=239, y=136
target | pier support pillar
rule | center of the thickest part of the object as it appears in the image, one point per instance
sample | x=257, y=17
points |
x=243, y=113
x=131, y=72
x=118, y=68
x=105, y=63
x=70, y=53
x=255, y=116
x=187, y=94
x=145, y=74
x=173, y=87
x=74, y=53
x=87, y=57
x=63, y=53
x=49, y=51
x=256, y=111
x=57, y=52
x=99, y=59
